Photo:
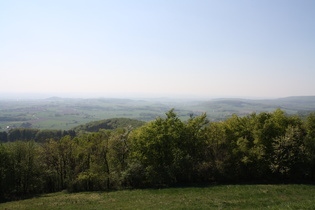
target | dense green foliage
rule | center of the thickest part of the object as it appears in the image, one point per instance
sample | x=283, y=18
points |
x=27, y=134
x=265, y=147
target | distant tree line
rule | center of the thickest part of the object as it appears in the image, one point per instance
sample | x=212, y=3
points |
x=108, y=124
x=26, y=134
x=265, y=147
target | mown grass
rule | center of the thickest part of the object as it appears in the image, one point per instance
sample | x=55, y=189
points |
x=212, y=197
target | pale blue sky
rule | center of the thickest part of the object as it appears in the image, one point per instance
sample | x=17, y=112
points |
x=224, y=48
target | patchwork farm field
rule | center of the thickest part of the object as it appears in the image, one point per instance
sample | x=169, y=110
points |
x=65, y=113
x=59, y=113
x=210, y=197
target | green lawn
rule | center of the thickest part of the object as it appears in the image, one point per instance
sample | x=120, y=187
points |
x=213, y=197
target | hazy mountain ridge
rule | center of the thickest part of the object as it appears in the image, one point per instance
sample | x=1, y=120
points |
x=66, y=113
x=294, y=102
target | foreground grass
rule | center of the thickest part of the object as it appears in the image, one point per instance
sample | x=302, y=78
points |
x=213, y=197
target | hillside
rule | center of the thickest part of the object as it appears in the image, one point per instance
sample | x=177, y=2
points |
x=220, y=109
x=109, y=124
x=66, y=113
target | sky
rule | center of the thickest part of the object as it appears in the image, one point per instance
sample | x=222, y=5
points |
x=195, y=48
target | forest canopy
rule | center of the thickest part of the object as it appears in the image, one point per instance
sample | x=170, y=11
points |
x=265, y=147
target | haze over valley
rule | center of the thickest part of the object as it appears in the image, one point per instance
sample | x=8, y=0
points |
x=66, y=113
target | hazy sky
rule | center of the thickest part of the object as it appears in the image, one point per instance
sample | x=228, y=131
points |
x=254, y=48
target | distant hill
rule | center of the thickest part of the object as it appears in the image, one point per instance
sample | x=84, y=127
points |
x=109, y=124
x=219, y=109
x=66, y=113
x=293, y=103
x=308, y=99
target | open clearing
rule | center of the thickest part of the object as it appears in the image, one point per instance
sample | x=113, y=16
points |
x=210, y=197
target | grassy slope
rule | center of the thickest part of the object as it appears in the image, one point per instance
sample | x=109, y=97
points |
x=112, y=123
x=213, y=197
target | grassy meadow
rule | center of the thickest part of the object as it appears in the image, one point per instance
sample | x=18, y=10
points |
x=211, y=197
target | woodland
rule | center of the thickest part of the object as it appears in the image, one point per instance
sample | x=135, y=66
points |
x=269, y=147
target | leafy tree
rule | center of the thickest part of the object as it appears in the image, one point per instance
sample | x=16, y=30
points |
x=43, y=135
x=310, y=145
x=163, y=152
x=93, y=165
x=118, y=153
x=22, y=134
x=6, y=182
x=216, y=164
x=289, y=154
x=109, y=124
x=24, y=171
x=153, y=145
x=3, y=136
x=241, y=146
x=169, y=149
x=190, y=149
x=59, y=159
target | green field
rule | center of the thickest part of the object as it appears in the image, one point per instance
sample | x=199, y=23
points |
x=210, y=197
x=64, y=114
